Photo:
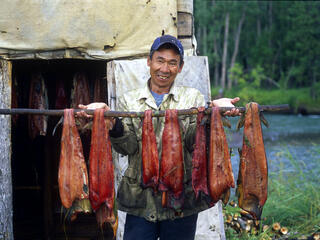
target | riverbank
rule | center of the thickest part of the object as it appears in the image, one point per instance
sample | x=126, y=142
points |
x=293, y=202
x=292, y=144
x=305, y=101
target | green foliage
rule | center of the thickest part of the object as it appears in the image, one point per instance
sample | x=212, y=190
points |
x=294, y=197
x=252, y=80
x=296, y=98
x=279, y=40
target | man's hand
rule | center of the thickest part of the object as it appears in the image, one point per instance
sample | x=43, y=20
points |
x=93, y=106
x=227, y=102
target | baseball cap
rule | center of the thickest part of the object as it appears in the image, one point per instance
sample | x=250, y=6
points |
x=159, y=41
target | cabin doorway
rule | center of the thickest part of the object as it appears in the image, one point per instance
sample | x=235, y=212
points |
x=37, y=210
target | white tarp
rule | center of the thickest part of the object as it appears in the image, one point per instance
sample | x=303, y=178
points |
x=99, y=28
x=125, y=75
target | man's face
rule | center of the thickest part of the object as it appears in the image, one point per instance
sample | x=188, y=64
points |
x=164, y=67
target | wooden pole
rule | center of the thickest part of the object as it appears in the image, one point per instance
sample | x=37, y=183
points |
x=192, y=111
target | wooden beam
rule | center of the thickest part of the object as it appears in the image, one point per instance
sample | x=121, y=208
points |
x=185, y=24
x=6, y=226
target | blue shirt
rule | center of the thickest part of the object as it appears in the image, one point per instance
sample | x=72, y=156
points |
x=158, y=97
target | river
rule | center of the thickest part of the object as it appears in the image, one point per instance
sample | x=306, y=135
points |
x=292, y=144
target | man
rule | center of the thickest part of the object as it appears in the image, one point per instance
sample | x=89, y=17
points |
x=146, y=218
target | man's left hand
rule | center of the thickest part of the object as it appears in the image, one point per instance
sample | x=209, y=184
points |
x=227, y=102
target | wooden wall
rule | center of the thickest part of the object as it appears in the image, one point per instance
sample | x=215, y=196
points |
x=6, y=227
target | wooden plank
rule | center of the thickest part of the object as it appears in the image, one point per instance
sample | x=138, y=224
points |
x=111, y=85
x=185, y=6
x=6, y=227
x=186, y=42
x=185, y=23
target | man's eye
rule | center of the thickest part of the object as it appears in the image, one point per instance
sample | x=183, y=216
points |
x=173, y=64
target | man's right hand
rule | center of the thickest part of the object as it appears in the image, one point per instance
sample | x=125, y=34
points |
x=92, y=106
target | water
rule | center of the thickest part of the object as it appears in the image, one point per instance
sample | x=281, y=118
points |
x=292, y=144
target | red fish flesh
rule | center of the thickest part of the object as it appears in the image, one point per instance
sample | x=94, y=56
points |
x=101, y=173
x=72, y=176
x=171, y=166
x=150, y=158
x=252, y=181
x=219, y=166
x=199, y=159
x=38, y=99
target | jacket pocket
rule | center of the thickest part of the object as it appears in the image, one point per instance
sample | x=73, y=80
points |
x=130, y=193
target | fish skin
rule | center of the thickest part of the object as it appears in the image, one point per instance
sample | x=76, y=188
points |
x=199, y=158
x=252, y=181
x=38, y=99
x=61, y=96
x=220, y=176
x=97, y=92
x=150, y=157
x=72, y=175
x=80, y=94
x=171, y=166
x=101, y=170
x=106, y=215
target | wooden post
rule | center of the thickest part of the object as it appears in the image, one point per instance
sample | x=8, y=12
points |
x=6, y=226
x=185, y=25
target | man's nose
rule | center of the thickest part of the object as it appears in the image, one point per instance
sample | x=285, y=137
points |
x=164, y=67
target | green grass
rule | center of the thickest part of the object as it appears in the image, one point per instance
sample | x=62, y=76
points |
x=294, y=97
x=293, y=199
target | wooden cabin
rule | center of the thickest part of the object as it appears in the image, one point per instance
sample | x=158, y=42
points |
x=58, y=39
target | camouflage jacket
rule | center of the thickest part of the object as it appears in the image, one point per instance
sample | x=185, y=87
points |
x=131, y=197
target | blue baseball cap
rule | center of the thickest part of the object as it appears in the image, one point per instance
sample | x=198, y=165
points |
x=159, y=41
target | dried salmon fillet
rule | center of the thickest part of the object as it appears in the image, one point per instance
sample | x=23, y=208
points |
x=80, y=94
x=98, y=94
x=199, y=158
x=252, y=181
x=101, y=171
x=150, y=158
x=171, y=166
x=220, y=176
x=72, y=175
x=38, y=99
x=61, y=96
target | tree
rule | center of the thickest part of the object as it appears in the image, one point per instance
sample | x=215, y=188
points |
x=225, y=51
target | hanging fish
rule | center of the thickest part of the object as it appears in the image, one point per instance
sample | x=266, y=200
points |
x=38, y=99
x=252, y=181
x=98, y=93
x=219, y=166
x=150, y=159
x=72, y=175
x=61, y=96
x=171, y=166
x=199, y=159
x=101, y=173
x=80, y=94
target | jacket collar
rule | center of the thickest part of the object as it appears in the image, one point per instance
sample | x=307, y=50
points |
x=146, y=93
